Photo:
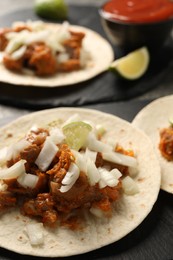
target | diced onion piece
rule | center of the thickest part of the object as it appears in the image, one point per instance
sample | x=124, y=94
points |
x=16, y=148
x=63, y=33
x=3, y=155
x=133, y=171
x=91, y=154
x=56, y=135
x=70, y=178
x=80, y=160
x=100, y=130
x=119, y=158
x=129, y=186
x=18, y=53
x=1, y=57
x=97, y=212
x=28, y=180
x=35, y=25
x=46, y=155
x=73, y=118
x=92, y=172
x=35, y=233
x=95, y=145
x=63, y=57
x=3, y=186
x=16, y=41
x=37, y=36
x=14, y=171
x=110, y=178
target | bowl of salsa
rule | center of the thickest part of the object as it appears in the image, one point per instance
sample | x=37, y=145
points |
x=130, y=24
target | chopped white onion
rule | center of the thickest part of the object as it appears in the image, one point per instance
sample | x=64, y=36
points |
x=129, y=186
x=100, y=130
x=18, y=53
x=1, y=57
x=109, y=178
x=90, y=154
x=63, y=57
x=97, y=212
x=37, y=36
x=3, y=186
x=14, y=171
x=35, y=233
x=16, y=148
x=92, y=172
x=17, y=40
x=63, y=32
x=119, y=158
x=3, y=155
x=73, y=118
x=96, y=145
x=56, y=135
x=70, y=178
x=133, y=171
x=28, y=180
x=46, y=155
x=80, y=160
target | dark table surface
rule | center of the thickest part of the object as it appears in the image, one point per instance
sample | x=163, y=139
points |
x=153, y=239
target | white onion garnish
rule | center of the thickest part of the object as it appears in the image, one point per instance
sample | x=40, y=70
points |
x=109, y=178
x=35, y=233
x=14, y=171
x=3, y=155
x=63, y=57
x=90, y=154
x=18, y=53
x=70, y=178
x=73, y=118
x=46, y=155
x=97, y=212
x=92, y=172
x=28, y=180
x=56, y=135
x=80, y=160
x=129, y=186
x=16, y=148
x=37, y=36
x=3, y=186
x=96, y=145
x=119, y=158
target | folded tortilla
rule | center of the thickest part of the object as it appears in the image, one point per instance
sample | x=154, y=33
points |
x=128, y=213
x=151, y=119
x=100, y=56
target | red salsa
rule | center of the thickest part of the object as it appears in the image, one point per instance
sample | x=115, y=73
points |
x=142, y=11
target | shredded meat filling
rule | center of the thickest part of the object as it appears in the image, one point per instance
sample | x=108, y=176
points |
x=45, y=201
x=39, y=57
x=166, y=143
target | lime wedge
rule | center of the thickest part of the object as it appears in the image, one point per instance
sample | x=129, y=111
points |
x=76, y=134
x=133, y=65
x=51, y=9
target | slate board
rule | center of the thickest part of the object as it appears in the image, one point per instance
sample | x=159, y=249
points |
x=105, y=87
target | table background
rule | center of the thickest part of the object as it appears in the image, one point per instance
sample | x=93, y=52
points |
x=153, y=239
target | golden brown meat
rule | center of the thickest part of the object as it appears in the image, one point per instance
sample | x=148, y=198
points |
x=166, y=143
x=3, y=39
x=12, y=64
x=42, y=60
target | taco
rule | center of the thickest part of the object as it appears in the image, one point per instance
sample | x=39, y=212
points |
x=155, y=121
x=51, y=55
x=73, y=180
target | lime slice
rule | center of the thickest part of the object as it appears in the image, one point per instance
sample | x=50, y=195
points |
x=51, y=9
x=133, y=65
x=76, y=134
